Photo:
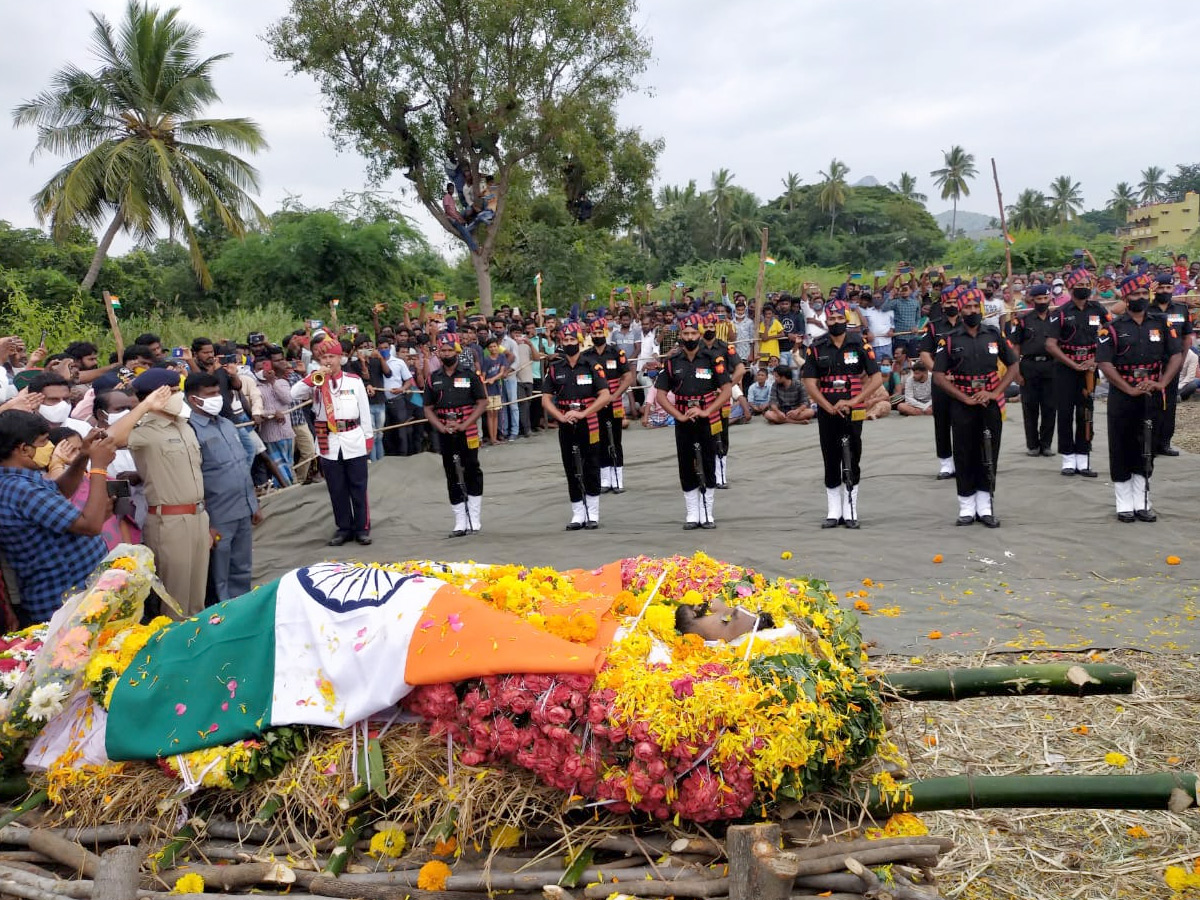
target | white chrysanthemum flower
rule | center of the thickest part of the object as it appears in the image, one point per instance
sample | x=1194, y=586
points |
x=8, y=680
x=46, y=702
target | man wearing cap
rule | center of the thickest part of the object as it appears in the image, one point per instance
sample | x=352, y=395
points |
x=455, y=398
x=344, y=439
x=839, y=373
x=718, y=348
x=1178, y=317
x=943, y=320
x=701, y=386
x=167, y=454
x=1028, y=334
x=1071, y=340
x=1140, y=355
x=618, y=375
x=574, y=391
x=967, y=366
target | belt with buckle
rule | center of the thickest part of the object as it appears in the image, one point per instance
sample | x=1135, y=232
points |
x=1038, y=357
x=177, y=509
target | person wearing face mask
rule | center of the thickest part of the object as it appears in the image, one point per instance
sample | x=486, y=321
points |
x=943, y=320
x=344, y=439
x=619, y=375
x=967, y=367
x=737, y=374
x=455, y=399
x=1140, y=355
x=1177, y=316
x=229, y=496
x=167, y=455
x=1028, y=334
x=56, y=402
x=840, y=373
x=1071, y=340
x=701, y=386
x=574, y=390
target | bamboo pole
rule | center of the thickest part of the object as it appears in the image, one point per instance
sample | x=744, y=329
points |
x=1055, y=679
x=113, y=324
x=760, y=289
x=1003, y=223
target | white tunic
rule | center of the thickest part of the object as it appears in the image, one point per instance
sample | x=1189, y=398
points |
x=350, y=404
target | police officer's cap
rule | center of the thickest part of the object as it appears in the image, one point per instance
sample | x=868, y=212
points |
x=1164, y=278
x=1039, y=290
x=153, y=379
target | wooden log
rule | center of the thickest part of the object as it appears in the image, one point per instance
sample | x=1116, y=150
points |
x=754, y=855
x=827, y=896
x=69, y=853
x=339, y=887
x=117, y=875
x=18, y=835
x=477, y=881
x=685, y=887
x=234, y=831
x=25, y=884
x=835, y=862
x=818, y=850
x=832, y=881
x=704, y=846
x=229, y=878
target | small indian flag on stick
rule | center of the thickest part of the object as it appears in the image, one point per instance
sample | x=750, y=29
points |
x=537, y=279
x=769, y=261
x=1009, y=238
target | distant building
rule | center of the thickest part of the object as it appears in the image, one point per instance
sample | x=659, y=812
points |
x=1163, y=224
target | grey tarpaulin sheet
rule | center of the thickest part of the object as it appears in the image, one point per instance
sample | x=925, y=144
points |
x=1060, y=573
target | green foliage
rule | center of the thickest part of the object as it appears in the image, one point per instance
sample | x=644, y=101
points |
x=1031, y=250
x=27, y=317
x=742, y=275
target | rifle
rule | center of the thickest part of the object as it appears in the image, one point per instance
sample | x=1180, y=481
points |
x=461, y=477
x=848, y=474
x=699, y=460
x=612, y=450
x=1147, y=446
x=1089, y=411
x=587, y=517
x=989, y=463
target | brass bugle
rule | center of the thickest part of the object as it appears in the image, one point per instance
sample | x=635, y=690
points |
x=318, y=379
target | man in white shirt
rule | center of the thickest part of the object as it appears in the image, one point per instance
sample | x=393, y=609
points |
x=344, y=439
x=881, y=324
x=397, y=382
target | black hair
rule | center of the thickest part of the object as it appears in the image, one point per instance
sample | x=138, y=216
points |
x=783, y=372
x=363, y=339
x=57, y=357
x=197, y=382
x=147, y=339
x=43, y=380
x=77, y=350
x=137, y=351
x=18, y=427
x=100, y=400
x=61, y=433
x=274, y=350
x=200, y=343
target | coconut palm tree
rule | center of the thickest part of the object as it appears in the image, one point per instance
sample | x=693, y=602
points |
x=1030, y=213
x=958, y=166
x=745, y=222
x=143, y=151
x=791, y=192
x=1123, y=199
x=907, y=188
x=833, y=190
x=1066, y=198
x=1152, y=186
x=670, y=195
x=720, y=198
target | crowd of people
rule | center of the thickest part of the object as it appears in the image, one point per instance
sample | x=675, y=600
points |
x=173, y=446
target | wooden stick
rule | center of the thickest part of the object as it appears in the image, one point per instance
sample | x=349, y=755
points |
x=117, y=877
x=338, y=887
x=755, y=872
x=113, y=323
x=705, y=846
x=760, y=290
x=818, y=851
x=1003, y=224
x=716, y=887
x=18, y=835
x=69, y=853
x=14, y=882
x=229, y=878
x=835, y=862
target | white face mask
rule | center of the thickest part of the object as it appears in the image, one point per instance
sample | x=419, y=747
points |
x=345, y=359
x=115, y=417
x=174, y=406
x=212, y=406
x=56, y=414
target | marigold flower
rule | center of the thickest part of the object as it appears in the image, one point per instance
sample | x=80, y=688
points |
x=387, y=842
x=938, y=558
x=191, y=883
x=1173, y=560
x=1117, y=760
x=433, y=875
x=935, y=635
x=786, y=554
x=862, y=605
x=1137, y=831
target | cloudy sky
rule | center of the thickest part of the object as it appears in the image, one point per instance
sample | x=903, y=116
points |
x=1097, y=91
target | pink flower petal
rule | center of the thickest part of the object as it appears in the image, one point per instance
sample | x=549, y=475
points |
x=213, y=727
x=180, y=709
x=225, y=706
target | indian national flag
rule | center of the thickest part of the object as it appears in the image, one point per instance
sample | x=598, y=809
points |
x=1009, y=238
x=770, y=260
x=328, y=645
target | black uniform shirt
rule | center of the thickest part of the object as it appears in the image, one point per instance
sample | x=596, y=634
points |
x=935, y=330
x=693, y=378
x=1177, y=315
x=1076, y=329
x=460, y=391
x=1138, y=352
x=840, y=371
x=726, y=352
x=613, y=361
x=1029, y=332
x=574, y=386
x=973, y=363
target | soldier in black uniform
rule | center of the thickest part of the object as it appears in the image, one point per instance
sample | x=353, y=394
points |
x=943, y=319
x=967, y=366
x=701, y=386
x=574, y=391
x=455, y=398
x=839, y=372
x=1179, y=318
x=1028, y=334
x=737, y=371
x=619, y=375
x=1072, y=342
x=1140, y=355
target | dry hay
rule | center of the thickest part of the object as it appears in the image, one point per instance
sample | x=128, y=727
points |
x=131, y=792
x=1088, y=854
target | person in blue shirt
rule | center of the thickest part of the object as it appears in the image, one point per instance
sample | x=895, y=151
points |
x=52, y=545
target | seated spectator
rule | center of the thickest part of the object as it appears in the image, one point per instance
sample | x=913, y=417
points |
x=918, y=393
x=788, y=404
x=1189, y=377
x=51, y=545
x=740, y=413
x=879, y=404
x=759, y=396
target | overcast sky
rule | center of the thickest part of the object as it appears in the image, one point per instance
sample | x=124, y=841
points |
x=1096, y=90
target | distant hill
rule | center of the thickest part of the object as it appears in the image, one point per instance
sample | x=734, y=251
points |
x=974, y=225
x=868, y=181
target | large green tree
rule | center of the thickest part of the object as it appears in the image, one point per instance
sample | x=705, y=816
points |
x=1066, y=199
x=501, y=88
x=833, y=190
x=1123, y=199
x=1031, y=212
x=143, y=150
x=958, y=167
x=1152, y=187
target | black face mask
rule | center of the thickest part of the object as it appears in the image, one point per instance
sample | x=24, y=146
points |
x=690, y=344
x=570, y=349
x=599, y=341
x=1138, y=304
x=1081, y=293
x=1162, y=299
x=951, y=312
x=710, y=335
x=972, y=320
x=1041, y=306
x=837, y=328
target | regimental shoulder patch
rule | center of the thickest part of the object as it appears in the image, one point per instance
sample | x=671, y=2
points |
x=870, y=350
x=720, y=367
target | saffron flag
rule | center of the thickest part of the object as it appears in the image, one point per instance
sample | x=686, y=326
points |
x=770, y=260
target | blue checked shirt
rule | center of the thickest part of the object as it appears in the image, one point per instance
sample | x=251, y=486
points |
x=48, y=559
